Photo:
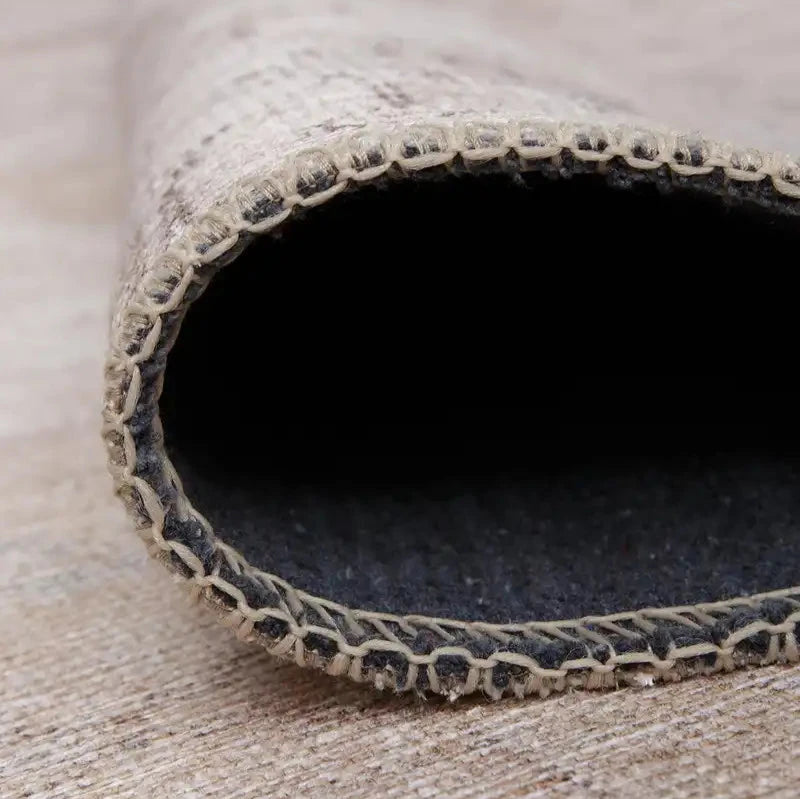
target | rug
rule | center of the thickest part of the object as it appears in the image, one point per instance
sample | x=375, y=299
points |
x=380, y=386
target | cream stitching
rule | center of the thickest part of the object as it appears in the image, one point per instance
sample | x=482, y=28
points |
x=308, y=179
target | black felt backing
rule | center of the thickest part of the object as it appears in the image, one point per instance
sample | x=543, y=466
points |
x=503, y=399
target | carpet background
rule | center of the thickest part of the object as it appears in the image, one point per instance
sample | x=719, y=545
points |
x=112, y=685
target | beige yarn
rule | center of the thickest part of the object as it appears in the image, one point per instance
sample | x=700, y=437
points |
x=244, y=115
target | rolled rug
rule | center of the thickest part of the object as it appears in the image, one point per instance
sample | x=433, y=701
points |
x=443, y=378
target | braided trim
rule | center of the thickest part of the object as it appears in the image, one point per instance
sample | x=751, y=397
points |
x=442, y=656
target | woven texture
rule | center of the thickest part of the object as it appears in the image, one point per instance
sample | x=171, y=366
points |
x=111, y=685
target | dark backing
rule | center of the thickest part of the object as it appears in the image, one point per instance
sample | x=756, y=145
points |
x=499, y=398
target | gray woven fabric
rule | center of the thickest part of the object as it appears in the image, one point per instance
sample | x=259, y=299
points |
x=244, y=120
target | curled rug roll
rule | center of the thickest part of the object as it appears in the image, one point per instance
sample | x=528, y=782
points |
x=429, y=375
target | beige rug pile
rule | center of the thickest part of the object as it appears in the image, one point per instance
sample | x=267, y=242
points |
x=114, y=685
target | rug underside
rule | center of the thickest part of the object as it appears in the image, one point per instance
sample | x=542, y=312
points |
x=448, y=421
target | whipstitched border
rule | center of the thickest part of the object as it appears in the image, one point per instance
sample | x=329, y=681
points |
x=419, y=653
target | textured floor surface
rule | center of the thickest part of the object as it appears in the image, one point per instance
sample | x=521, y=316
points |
x=111, y=685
